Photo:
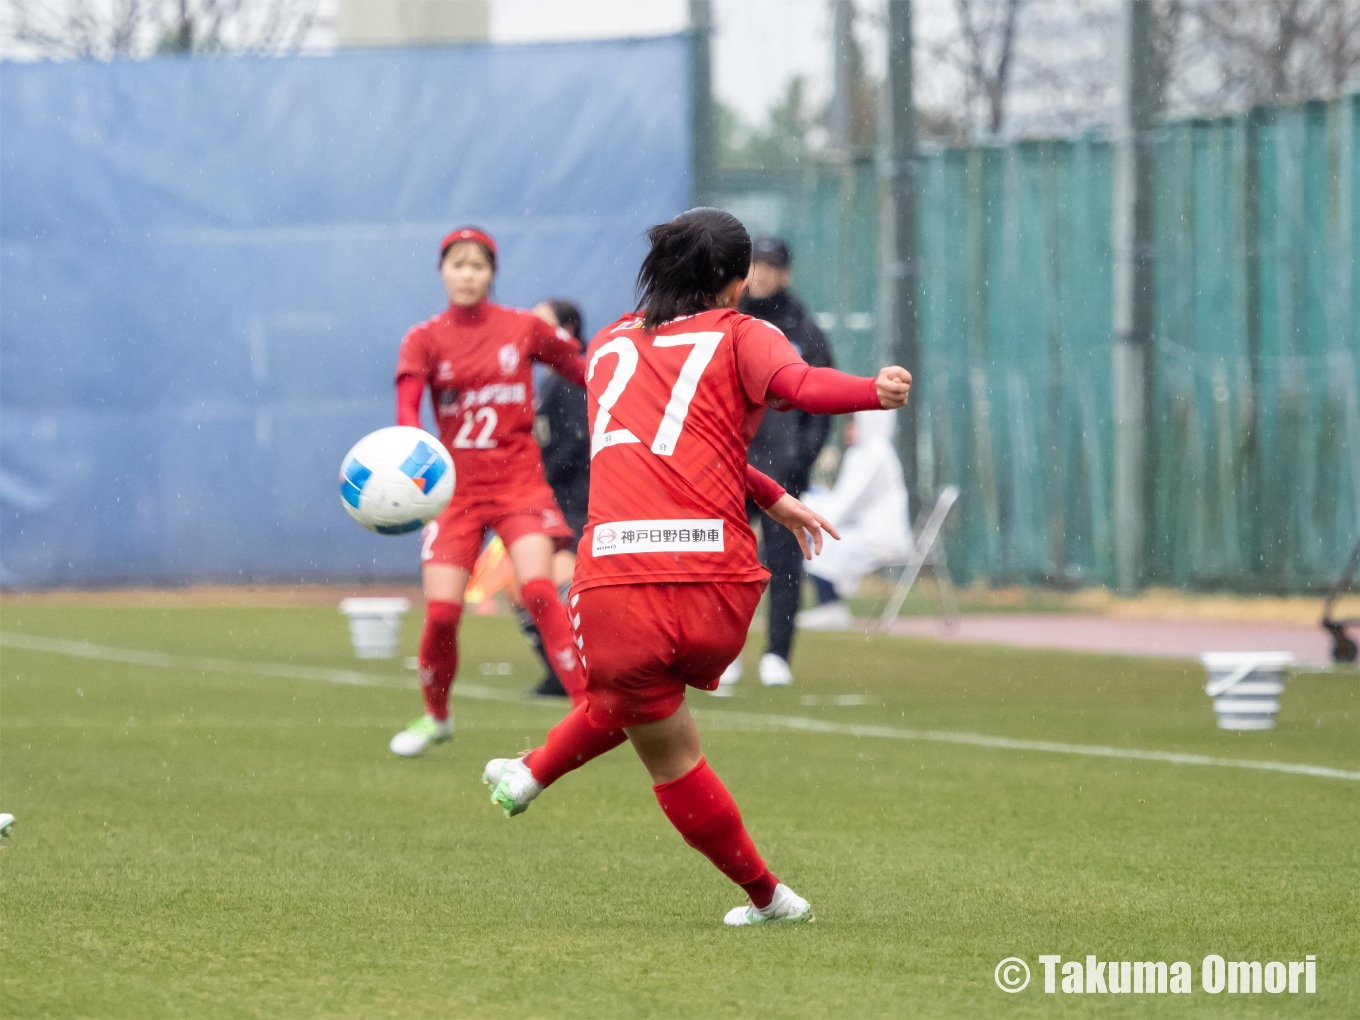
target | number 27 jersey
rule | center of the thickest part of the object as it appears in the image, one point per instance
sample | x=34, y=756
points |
x=671, y=415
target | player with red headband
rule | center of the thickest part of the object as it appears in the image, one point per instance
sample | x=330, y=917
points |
x=476, y=358
x=667, y=577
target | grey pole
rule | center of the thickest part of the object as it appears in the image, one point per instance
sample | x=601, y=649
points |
x=842, y=143
x=1133, y=294
x=900, y=276
x=703, y=112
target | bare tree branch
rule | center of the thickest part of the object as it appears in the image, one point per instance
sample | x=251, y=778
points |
x=104, y=29
x=1269, y=51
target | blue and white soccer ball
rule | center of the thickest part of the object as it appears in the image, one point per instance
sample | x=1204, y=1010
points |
x=396, y=480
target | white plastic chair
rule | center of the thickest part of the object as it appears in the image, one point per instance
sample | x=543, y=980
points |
x=927, y=548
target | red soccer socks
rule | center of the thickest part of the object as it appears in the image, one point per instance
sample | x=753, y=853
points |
x=439, y=655
x=570, y=744
x=700, y=807
x=550, y=616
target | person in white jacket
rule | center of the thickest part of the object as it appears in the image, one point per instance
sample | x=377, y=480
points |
x=868, y=506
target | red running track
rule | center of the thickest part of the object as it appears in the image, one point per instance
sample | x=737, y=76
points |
x=1124, y=635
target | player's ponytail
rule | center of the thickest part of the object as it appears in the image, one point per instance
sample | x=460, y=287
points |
x=693, y=258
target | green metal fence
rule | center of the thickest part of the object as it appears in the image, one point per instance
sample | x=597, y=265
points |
x=1255, y=434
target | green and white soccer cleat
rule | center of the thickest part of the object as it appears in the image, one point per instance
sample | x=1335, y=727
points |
x=495, y=770
x=6, y=823
x=421, y=735
x=787, y=907
x=513, y=786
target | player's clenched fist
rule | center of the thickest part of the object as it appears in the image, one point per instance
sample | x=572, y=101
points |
x=893, y=384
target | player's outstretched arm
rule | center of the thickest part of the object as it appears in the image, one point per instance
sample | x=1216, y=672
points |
x=828, y=391
x=558, y=349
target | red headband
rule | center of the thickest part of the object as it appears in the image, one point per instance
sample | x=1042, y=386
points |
x=469, y=234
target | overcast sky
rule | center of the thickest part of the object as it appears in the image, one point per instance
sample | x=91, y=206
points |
x=760, y=44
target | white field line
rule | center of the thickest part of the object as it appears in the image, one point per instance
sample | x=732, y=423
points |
x=749, y=721
x=752, y=721
x=193, y=663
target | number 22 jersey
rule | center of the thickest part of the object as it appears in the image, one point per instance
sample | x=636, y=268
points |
x=671, y=415
x=477, y=363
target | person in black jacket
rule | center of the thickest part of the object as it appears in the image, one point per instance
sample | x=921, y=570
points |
x=564, y=438
x=785, y=448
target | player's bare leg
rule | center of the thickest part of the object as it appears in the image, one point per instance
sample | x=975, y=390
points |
x=563, y=567
x=532, y=557
x=444, y=588
x=701, y=809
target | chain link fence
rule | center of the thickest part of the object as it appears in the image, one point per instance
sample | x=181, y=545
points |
x=1255, y=436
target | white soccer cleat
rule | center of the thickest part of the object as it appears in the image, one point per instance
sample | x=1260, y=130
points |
x=830, y=616
x=774, y=671
x=787, y=907
x=732, y=673
x=423, y=732
x=513, y=786
x=6, y=823
x=495, y=770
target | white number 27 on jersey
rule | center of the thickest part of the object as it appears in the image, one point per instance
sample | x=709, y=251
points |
x=677, y=408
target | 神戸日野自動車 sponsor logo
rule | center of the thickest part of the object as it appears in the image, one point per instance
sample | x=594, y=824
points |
x=1216, y=974
x=683, y=535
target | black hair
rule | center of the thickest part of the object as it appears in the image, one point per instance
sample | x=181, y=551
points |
x=490, y=255
x=568, y=315
x=693, y=258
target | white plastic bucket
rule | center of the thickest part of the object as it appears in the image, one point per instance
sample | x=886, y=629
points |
x=375, y=625
x=1246, y=687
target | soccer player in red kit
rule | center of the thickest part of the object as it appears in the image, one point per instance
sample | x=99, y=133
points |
x=476, y=358
x=666, y=577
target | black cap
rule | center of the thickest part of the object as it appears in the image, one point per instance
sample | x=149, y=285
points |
x=770, y=250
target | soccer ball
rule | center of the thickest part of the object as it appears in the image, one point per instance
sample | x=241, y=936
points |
x=396, y=480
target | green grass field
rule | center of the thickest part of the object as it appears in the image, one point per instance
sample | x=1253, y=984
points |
x=206, y=839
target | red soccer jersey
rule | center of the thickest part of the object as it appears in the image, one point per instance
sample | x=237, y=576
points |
x=671, y=415
x=477, y=363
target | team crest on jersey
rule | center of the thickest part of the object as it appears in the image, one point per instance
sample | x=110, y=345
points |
x=508, y=356
x=445, y=370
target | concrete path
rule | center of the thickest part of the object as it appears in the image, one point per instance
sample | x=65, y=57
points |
x=1125, y=635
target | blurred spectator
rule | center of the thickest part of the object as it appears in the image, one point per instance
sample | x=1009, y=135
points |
x=868, y=506
x=785, y=448
x=562, y=433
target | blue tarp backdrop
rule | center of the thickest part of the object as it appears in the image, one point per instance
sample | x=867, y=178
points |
x=208, y=265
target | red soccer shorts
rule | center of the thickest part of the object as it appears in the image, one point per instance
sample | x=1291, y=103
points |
x=455, y=537
x=645, y=643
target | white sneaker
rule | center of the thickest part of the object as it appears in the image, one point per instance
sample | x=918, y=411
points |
x=420, y=735
x=513, y=786
x=774, y=671
x=787, y=906
x=731, y=674
x=831, y=616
